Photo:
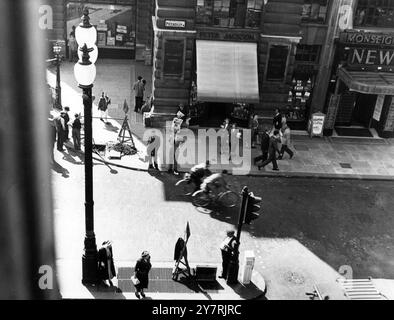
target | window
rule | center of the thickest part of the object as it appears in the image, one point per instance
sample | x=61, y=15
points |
x=376, y=13
x=222, y=15
x=229, y=13
x=173, y=58
x=253, y=13
x=314, y=11
x=277, y=62
x=308, y=53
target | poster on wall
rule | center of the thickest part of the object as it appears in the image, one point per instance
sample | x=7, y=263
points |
x=101, y=39
x=109, y=20
x=378, y=107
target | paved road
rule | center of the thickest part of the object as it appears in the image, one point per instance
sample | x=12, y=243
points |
x=308, y=229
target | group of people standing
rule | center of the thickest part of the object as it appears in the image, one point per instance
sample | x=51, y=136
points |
x=61, y=125
x=275, y=143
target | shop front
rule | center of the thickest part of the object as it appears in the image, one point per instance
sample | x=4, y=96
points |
x=227, y=83
x=362, y=103
x=115, y=22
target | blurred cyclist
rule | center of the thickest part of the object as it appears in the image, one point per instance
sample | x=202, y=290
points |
x=198, y=172
x=215, y=183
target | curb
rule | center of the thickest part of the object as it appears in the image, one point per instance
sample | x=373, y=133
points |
x=306, y=175
x=288, y=175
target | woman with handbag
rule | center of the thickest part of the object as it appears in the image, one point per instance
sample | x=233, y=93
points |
x=141, y=272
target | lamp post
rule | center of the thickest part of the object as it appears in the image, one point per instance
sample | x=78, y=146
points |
x=56, y=50
x=85, y=74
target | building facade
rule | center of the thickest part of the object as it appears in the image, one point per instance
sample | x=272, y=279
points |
x=124, y=26
x=361, y=97
x=231, y=58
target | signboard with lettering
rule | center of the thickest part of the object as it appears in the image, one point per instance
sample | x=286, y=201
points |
x=229, y=36
x=173, y=58
x=316, y=124
x=389, y=125
x=369, y=50
x=378, y=107
x=181, y=24
x=332, y=111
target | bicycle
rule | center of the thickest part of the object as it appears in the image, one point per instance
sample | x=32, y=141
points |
x=186, y=186
x=228, y=198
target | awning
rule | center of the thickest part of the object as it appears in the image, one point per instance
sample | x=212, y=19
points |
x=368, y=82
x=227, y=72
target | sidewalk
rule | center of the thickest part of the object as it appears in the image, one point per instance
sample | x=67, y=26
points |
x=333, y=157
x=161, y=285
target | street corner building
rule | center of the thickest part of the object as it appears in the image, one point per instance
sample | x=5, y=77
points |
x=234, y=58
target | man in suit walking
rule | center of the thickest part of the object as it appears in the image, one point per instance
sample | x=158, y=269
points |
x=272, y=150
x=265, y=142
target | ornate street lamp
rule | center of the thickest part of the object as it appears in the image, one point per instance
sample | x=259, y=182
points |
x=56, y=50
x=85, y=74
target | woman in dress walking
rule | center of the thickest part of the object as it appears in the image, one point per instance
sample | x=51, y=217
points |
x=141, y=272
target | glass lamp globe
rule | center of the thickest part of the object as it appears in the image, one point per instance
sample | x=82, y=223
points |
x=93, y=55
x=85, y=74
x=86, y=36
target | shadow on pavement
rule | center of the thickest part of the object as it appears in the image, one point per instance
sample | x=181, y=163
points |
x=110, y=127
x=103, y=291
x=59, y=169
x=248, y=292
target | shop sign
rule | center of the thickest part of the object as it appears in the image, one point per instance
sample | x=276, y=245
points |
x=229, y=36
x=378, y=107
x=389, y=126
x=367, y=38
x=316, y=124
x=181, y=24
x=371, y=57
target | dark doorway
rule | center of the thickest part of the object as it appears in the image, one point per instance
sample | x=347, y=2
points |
x=363, y=110
x=215, y=114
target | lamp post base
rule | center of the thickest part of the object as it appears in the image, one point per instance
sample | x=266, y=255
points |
x=232, y=274
x=89, y=262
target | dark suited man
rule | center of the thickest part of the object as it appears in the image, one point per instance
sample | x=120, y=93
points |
x=265, y=142
x=272, y=150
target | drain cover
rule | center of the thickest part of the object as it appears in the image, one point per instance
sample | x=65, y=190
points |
x=346, y=165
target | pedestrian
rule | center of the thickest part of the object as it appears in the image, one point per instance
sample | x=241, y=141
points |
x=76, y=132
x=52, y=132
x=106, y=267
x=141, y=272
x=277, y=121
x=254, y=127
x=139, y=89
x=102, y=106
x=152, y=152
x=60, y=130
x=227, y=126
x=286, y=133
x=264, y=144
x=272, y=150
x=72, y=47
x=175, y=141
x=227, y=248
x=66, y=123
